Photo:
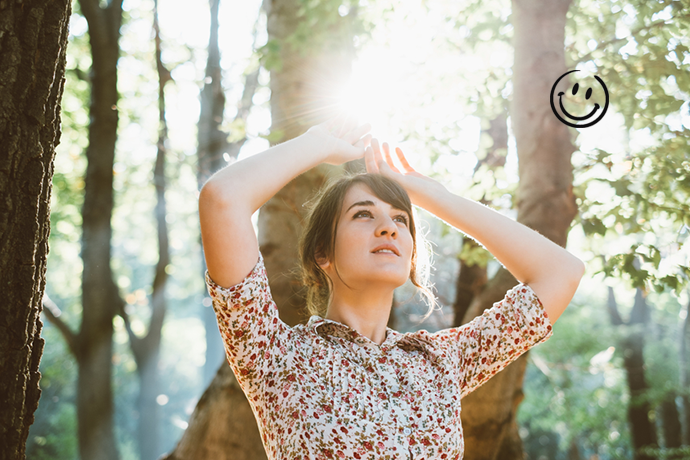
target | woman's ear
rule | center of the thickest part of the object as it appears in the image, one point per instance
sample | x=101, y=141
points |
x=322, y=260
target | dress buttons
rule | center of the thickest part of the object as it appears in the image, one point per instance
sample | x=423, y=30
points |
x=407, y=431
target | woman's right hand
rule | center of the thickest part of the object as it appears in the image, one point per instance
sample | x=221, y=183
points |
x=340, y=139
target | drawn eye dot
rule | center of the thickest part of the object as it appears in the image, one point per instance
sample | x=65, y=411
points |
x=589, y=93
x=575, y=88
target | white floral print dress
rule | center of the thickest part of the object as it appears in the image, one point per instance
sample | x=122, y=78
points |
x=324, y=391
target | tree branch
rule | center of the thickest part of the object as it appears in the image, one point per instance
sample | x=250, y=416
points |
x=53, y=313
x=134, y=340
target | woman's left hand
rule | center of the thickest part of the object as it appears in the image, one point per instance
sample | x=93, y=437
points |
x=416, y=185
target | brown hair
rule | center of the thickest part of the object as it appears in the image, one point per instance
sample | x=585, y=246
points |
x=318, y=238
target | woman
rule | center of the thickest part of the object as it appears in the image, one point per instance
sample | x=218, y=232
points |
x=344, y=385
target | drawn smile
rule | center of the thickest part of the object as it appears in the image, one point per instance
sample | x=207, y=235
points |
x=560, y=102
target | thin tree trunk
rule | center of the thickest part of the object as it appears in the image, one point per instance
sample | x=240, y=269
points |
x=213, y=148
x=101, y=301
x=545, y=203
x=212, y=144
x=100, y=296
x=670, y=423
x=685, y=375
x=643, y=430
x=146, y=349
x=33, y=41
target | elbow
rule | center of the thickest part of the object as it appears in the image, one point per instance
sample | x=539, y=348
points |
x=211, y=195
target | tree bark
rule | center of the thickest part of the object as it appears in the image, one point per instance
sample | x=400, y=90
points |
x=33, y=42
x=223, y=426
x=545, y=203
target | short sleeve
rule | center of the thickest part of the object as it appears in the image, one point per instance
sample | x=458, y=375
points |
x=249, y=325
x=496, y=338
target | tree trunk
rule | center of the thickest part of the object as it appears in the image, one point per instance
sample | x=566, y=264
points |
x=101, y=300
x=146, y=349
x=212, y=144
x=545, y=203
x=670, y=423
x=212, y=149
x=223, y=425
x=33, y=42
x=643, y=430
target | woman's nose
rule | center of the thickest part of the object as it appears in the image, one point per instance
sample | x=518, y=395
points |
x=387, y=227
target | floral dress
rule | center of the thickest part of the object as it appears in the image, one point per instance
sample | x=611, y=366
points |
x=321, y=390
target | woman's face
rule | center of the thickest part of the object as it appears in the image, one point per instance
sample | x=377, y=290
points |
x=366, y=224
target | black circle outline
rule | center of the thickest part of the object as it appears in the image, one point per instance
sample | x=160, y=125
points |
x=553, y=106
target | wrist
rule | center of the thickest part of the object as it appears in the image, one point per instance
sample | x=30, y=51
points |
x=311, y=143
x=427, y=192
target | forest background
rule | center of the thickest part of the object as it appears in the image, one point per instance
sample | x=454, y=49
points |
x=434, y=78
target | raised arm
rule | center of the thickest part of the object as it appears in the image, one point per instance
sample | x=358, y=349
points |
x=552, y=272
x=230, y=197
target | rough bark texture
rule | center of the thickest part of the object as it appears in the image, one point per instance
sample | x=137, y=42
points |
x=643, y=430
x=33, y=42
x=223, y=426
x=545, y=203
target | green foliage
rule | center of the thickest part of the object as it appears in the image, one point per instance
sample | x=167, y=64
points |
x=475, y=255
x=646, y=71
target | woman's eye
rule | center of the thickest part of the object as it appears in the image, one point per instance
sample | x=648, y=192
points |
x=402, y=218
x=362, y=212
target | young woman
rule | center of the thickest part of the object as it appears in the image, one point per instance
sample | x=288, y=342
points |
x=344, y=385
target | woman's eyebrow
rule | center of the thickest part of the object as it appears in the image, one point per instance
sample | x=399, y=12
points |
x=369, y=203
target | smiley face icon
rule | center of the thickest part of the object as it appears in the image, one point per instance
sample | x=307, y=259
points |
x=579, y=118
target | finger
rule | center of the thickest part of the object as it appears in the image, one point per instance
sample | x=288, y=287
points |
x=389, y=160
x=356, y=134
x=377, y=154
x=369, y=161
x=364, y=142
x=340, y=125
x=403, y=160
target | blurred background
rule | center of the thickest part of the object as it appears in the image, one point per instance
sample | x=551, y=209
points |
x=201, y=85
